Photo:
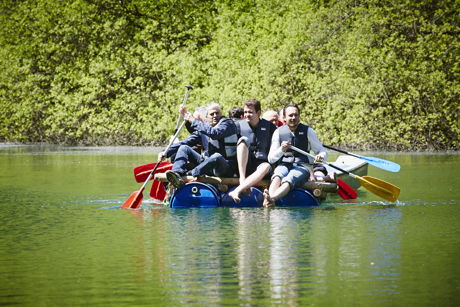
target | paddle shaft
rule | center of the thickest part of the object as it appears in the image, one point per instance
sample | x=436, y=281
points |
x=324, y=162
x=341, y=150
x=189, y=88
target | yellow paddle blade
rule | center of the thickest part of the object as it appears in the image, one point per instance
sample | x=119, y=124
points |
x=380, y=188
x=390, y=187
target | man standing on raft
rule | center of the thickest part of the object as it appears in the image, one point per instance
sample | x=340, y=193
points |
x=252, y=148
x=293, y=168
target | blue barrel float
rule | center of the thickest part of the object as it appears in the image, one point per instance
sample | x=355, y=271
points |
x=201, y=195
x=252, y=198
x=195, y=195
x=298, y=198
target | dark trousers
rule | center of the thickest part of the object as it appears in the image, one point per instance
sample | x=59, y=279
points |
x=188, y=159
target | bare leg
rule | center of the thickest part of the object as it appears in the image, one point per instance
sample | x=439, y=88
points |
x=242, y=154
x=268, y=201
x=274, y=185
x=250, y=181
x=281, y=191
x=275, y=193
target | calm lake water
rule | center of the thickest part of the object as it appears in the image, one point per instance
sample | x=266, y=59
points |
x=65, y=241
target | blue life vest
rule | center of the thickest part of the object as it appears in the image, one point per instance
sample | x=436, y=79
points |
x=299, y=139
x=259, y=139
x=225, y=146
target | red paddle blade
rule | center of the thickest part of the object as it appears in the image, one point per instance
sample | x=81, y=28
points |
x=345, y=191
x=134, y=200
x=158, y=190
x=143, y=171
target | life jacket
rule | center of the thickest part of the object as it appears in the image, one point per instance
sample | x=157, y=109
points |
x=226, y=146
x=259, y=139
x=298, y=139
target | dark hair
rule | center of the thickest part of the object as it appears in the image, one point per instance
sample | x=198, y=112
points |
x=290, y=105
x=253, y=103
x=236, y=112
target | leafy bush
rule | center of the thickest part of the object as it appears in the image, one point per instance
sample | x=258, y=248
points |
x=367, y=75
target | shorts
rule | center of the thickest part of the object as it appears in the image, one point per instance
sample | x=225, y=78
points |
x=253, y=162
x=294, y=174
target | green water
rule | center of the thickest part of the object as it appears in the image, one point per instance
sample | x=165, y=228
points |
x=65, y=241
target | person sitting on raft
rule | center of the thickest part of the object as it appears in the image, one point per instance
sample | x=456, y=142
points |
x=253, y=147
x=272, y=116
x=217, y=136
x=236, y=113
x=293, y=168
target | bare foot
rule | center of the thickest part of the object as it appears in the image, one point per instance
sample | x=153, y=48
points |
x=268, y=201
x=235, y=196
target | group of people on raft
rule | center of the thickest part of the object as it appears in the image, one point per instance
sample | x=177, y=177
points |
x=248, y=146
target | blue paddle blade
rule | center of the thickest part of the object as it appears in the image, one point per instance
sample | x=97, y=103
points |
x=381, y=163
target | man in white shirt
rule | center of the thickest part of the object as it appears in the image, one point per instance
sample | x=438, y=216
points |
x=292, y=168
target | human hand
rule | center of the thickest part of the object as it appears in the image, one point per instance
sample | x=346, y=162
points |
x=285, y=145
x=189, y=117
x=319, y=158
x=183, y=111
x=161, y=156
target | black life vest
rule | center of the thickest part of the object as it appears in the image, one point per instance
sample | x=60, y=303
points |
x=299, y=139
x=225, y=146
x=259, y=139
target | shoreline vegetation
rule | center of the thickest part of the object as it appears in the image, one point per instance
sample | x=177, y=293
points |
x=149, y=149
x=368, y=75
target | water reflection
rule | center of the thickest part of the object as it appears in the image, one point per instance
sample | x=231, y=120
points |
x=220, y=253
x=252, y=255
x=61, y=245
x=290, y=252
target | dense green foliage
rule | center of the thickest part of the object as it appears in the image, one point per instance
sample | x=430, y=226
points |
x=368, y=74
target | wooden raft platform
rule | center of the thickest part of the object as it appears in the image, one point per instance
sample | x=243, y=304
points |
x=317, y=187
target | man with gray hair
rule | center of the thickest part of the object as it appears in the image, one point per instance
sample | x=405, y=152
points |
x=217, y=137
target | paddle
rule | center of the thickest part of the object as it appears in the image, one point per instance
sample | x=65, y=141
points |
x=158, y=191
x=377, y=162
x=345, y=191
x=189, y=88
x=377, y=186
x=142, y=172
x=135, y=199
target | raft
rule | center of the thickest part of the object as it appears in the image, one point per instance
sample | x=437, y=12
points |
x=211, y=192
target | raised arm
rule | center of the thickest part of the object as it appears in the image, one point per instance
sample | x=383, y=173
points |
x=221, y=130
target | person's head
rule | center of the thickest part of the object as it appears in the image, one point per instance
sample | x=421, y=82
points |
x=252, y=111
x=291, y=115
x=200, y=113
x=281, y=115
x=236, y=112
x=213, y=113
x=271, y=116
